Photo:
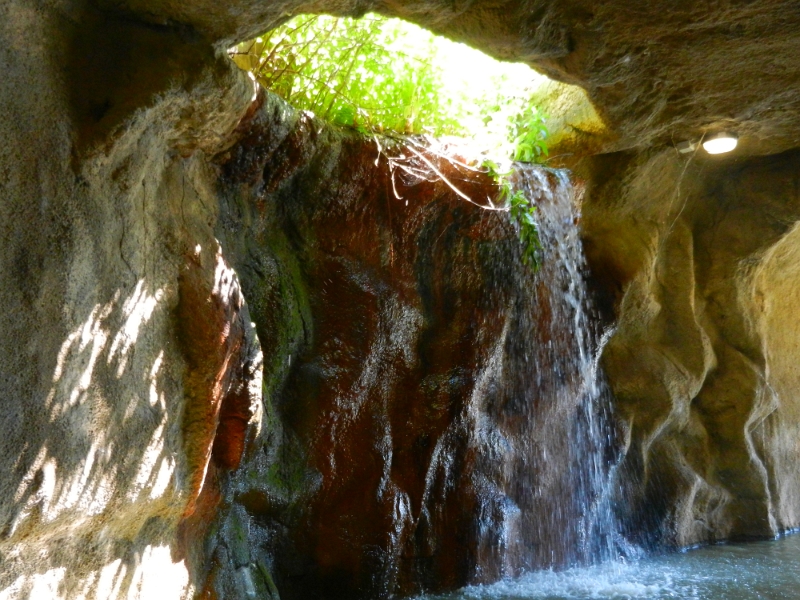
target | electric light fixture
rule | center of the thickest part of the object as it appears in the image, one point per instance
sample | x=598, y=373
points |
x=720, y=143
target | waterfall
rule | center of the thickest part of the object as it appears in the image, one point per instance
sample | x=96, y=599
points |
x=566, y=468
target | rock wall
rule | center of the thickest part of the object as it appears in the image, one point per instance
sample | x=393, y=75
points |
x=130, y=365
x=658, y=72
x=695, y=257
x=106, y=222
x=425, y=402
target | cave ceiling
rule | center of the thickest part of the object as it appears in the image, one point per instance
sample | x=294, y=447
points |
x=658, y=71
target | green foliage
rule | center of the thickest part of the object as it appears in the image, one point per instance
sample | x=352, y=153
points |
x=522, y=213
x=378, y=75
x=350, y=72
x=529, y=134
x=382, y=74
x=493, y=171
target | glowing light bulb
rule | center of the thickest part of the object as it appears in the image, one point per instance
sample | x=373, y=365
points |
x=720, y=143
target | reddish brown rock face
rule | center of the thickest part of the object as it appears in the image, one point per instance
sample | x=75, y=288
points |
x=220, y=366
x=223, y=361
x=426, y=403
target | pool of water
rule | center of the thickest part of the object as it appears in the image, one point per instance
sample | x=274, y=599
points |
x=757, y=570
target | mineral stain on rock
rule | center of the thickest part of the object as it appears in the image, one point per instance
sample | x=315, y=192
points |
x=426, y=413
x=123, y=370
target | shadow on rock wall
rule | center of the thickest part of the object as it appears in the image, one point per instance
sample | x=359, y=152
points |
x=96, y=477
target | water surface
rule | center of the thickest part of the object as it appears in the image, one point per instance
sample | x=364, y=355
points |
x=753, y=571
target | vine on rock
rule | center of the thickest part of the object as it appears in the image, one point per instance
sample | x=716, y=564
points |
x=521, y=211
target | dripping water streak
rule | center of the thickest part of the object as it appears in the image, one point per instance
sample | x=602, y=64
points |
x=577, y=387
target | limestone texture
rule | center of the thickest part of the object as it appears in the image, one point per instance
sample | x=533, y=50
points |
x=151, y=235
x=104, y=205
x=693, y=257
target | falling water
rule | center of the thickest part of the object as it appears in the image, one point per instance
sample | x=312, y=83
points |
x=556, y=414
x=593, y=444
x=575, y=337
x=567, y=464
x=568, y=540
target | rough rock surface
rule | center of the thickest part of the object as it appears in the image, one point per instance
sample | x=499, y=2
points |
x=425, y=400
x=100, y=215
x=658, y=71
x=127, y=358
x=697, y=258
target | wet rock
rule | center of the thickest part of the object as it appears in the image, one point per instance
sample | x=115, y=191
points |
x=424, y=402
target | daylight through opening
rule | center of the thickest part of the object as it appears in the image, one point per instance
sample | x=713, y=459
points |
x=390, y=76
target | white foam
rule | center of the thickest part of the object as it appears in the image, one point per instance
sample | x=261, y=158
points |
x=755, y=571
x=613, y=581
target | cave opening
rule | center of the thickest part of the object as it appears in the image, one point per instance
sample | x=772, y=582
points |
x=431, y=99
x=388, y=76
x=381, y=75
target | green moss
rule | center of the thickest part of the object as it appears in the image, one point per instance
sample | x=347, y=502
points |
x=291, y=325
x=269, y=589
